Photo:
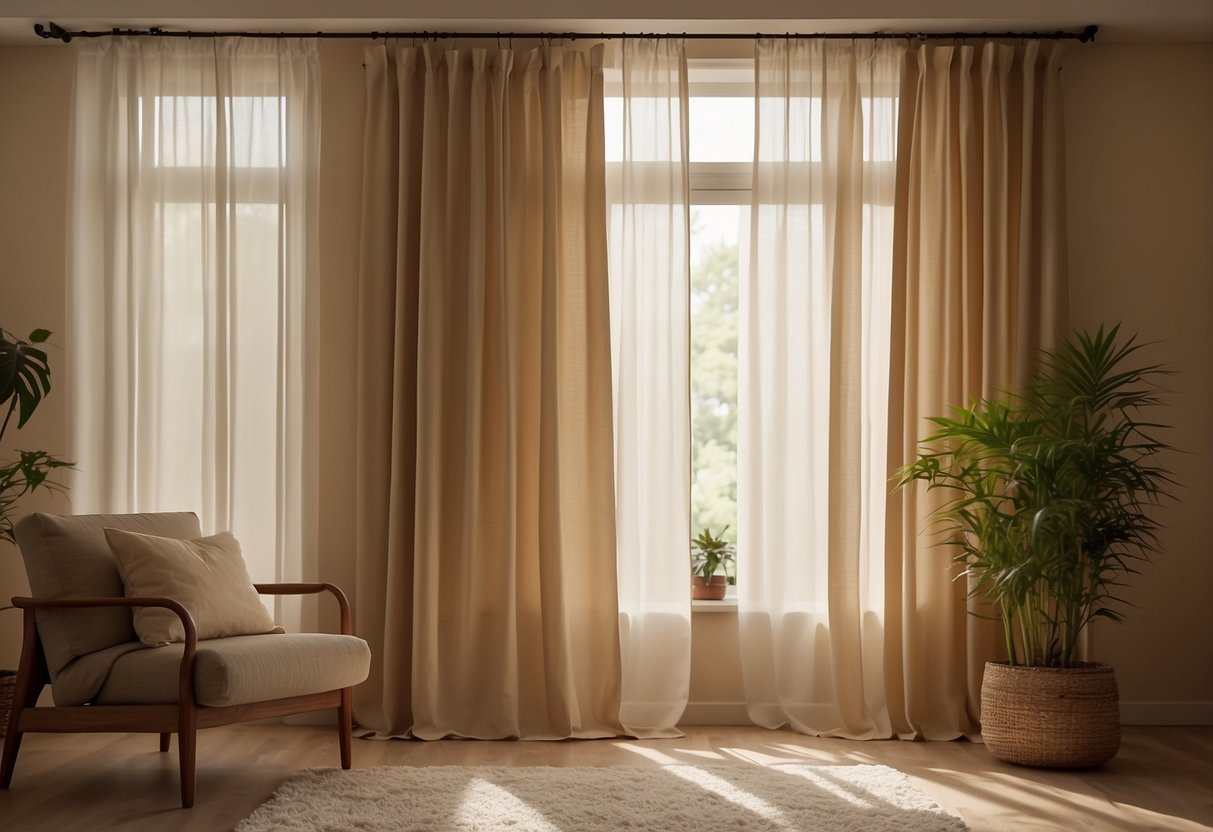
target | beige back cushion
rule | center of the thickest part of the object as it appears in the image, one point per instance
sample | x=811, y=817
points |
x=70, y=556
x=207, y=576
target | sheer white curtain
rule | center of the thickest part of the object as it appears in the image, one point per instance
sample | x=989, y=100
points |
x=648, y=195
x=191, y=261
x=813, y=356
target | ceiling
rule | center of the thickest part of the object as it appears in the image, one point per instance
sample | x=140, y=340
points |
x=1119, y=20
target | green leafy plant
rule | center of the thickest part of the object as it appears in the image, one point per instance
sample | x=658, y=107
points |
x=711, y=554
x=25, y=379
x=1052, y=492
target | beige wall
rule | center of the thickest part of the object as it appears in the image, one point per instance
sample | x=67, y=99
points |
x=35, y=101
x=1139, y=125
x=1140, y=133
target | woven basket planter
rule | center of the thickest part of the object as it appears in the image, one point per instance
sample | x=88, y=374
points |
x=1051, y=717
x=8, y=687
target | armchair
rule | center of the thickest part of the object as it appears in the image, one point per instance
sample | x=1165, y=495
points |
x=78, y=637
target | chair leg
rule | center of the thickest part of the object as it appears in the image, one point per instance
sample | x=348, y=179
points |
x=31, y=678
x=164, y=741
x=187, y=747
x=345, y=724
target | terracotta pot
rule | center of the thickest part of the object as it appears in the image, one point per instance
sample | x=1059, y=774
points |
x=702, y=590
x=1052, y=717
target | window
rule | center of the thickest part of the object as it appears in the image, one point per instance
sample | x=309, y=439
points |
x=722, y=113
x=193, y=209
x=721, y=121
x=214, y=165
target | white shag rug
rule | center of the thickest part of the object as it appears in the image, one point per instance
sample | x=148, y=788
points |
x=737, y=798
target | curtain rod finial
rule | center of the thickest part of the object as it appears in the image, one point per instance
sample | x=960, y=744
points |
x=52, y=30
x=1088, y=34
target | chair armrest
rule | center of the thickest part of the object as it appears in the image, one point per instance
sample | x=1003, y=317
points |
x=82, y=601
x=347, y=625
x=186, y=677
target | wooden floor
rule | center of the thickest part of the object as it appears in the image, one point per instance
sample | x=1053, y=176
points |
x=1162, y=778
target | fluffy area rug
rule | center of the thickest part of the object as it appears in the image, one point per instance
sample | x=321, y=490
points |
x=738, y=798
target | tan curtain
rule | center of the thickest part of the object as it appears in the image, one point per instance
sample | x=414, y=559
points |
x=978, y=289
x=486, y=542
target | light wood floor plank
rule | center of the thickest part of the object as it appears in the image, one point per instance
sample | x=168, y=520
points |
x=1161, y=780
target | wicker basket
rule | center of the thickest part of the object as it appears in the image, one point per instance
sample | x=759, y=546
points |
x=1051, y=717
x=8, y=686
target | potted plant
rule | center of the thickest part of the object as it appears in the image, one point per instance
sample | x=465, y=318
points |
x=25, y=378
x=1049, y=507
x=711, y=558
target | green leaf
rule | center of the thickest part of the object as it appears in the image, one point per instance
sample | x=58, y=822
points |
x=39, y=335
x=25, y=378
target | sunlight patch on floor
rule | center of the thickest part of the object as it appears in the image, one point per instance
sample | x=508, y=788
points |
x=723, y=788
x=830, y=786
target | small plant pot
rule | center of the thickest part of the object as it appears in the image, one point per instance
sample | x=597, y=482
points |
x=702, y=590
x=1051, y=717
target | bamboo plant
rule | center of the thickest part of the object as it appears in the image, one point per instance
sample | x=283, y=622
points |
x=1051, y=492
x=25, y=379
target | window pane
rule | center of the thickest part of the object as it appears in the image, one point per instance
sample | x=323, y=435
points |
x=722, y=129
x=186, y=125
x=717, y=242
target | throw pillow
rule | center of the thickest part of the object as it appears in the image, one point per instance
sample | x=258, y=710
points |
x=207, y=576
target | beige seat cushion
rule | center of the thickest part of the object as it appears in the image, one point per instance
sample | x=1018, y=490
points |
x=236, y=670
x=69, y=556
x=207, y=576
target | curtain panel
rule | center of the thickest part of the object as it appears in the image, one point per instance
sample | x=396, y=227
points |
x=907, y=254
x=812, y=387
x=191, y=272
x=979, y=289
x=486, y=533
x=648, y=196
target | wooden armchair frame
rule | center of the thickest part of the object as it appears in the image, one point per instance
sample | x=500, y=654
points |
x=185, y=717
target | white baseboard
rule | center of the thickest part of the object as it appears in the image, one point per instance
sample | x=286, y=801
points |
x=715, y=713
x=1166, y=713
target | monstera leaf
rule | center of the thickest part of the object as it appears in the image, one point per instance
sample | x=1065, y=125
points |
x=25, y=376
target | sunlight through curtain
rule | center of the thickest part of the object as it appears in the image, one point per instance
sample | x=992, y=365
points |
x=908, y=253
x=192, y=266
x=813, y=387
x=648, y=195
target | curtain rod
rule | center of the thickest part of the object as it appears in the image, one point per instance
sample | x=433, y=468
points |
x=53, y=30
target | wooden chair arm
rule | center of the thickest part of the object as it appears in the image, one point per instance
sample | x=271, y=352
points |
x=311, y=588
x=186, y=675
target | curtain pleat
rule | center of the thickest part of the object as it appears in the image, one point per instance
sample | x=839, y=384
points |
x=649, y=200
x=487, y=526
x=979, y=290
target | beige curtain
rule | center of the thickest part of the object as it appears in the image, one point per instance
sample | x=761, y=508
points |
x=486, y=536
x=978, y=290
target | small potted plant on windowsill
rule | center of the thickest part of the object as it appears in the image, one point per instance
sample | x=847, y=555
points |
x=712, y=557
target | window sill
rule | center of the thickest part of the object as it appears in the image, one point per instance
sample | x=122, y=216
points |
x=726, y=605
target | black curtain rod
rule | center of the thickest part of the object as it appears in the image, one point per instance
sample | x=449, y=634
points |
x=53, y=30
